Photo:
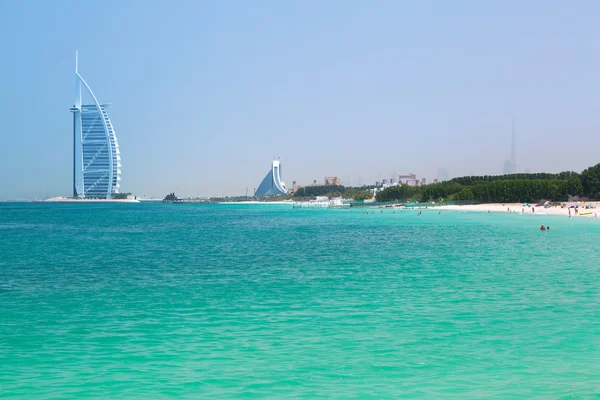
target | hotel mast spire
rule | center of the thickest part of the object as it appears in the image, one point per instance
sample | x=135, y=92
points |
x=77, y=82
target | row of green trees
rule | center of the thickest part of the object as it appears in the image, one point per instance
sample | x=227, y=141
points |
x=503, y=188
x=471, y=180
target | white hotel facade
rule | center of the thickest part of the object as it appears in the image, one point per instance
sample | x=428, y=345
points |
x=96, y=155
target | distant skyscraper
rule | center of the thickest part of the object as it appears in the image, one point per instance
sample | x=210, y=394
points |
x=507, y=170
x=510, y=166
x=96, y=156
x=272, y=184
x=513, y=149
x=442, y=174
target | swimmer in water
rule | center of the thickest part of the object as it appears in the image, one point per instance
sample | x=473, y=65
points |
x=542, y=228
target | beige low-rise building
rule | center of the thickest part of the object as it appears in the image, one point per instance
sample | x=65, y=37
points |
x=332, y=180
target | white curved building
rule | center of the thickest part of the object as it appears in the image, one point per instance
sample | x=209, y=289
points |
x=272, y=184
x=96, y=156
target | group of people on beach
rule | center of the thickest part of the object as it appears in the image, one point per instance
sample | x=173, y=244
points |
x=394, y=212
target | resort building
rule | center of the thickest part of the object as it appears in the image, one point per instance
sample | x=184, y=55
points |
x=272, y=184
x=96, y=156
x=410, y=180
x=332, y=180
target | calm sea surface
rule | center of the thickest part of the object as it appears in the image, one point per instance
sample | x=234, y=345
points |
x=230, y=301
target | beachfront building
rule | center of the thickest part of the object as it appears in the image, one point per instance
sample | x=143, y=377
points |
x=332, y=180
x=96, y=156
x=410, y=180
x=272, y=185
x=296, y=187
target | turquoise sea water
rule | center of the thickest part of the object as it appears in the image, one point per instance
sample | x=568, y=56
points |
x=231, y=301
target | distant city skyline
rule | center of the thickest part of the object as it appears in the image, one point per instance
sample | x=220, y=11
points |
x=204, y=92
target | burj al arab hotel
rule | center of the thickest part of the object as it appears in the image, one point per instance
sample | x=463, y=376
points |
x=96, y=156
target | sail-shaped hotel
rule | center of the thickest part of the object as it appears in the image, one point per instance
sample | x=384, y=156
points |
x=272, y=184
x=96, y=156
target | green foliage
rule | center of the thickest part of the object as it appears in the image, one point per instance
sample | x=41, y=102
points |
x=472, y=180
x=512, y=188
x=120, y=196
x=590, y=180
x=465, y=194
x=400, y=192
x=572, y=187
x=515, y=191
x=358, y=194
x=437, y=191
x=313, y=191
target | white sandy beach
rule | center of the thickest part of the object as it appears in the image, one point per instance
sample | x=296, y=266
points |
x=519, y=208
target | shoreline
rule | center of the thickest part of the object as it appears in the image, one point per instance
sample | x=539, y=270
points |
x=519, y=208
x=71, y=200
x=257, y=202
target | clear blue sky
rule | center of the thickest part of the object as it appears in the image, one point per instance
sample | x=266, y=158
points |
x=205, y=93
